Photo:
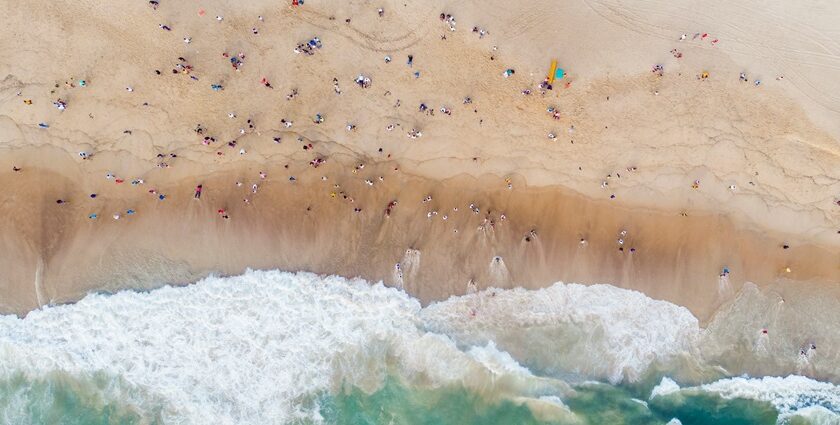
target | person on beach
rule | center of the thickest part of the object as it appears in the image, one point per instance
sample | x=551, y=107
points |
x=198, y=192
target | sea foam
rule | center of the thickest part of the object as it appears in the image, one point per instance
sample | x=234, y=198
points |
x=245, y=349
x=665, y=387
x=815, y=401
x=255, y=348
x=264, y=347
x=597, y=331
x=787, y=394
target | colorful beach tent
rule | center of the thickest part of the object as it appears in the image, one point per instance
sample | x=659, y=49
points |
x=554, y=72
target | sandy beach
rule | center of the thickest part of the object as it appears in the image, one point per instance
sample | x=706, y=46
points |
x=645, y=181
x=400, y=212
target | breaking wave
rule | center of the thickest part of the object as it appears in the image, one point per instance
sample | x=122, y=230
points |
x=278, y=347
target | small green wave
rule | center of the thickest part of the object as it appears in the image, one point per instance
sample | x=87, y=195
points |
x=60, y=399
x=395, y=403
x=591, y=403
x=697, y=407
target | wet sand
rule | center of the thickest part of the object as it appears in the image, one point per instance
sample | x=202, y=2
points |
x=300, y=226
x=766, y=156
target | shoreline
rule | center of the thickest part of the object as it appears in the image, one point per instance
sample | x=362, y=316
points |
x=327, y=328
x=753, y=167
x=300, y=226
x=575, y=211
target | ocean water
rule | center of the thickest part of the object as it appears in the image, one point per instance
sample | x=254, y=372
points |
x=271, y=347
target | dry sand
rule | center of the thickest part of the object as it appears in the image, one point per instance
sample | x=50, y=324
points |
x=648, y=137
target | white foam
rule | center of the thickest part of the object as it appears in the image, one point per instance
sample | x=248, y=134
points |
x=674, y=421
x=598, y=331
x=551, y=409
x=787, y=395
x=254, y=348
x=817, y=402
x=244, y=349
x=257, y=348
x=813, y=415
x=498, y=362
x=665, y=387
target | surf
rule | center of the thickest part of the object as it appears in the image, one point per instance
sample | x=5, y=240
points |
x=280, y=347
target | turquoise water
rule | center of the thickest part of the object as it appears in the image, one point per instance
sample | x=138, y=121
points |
x=594, y=403
x=59, y=399
x=284, y=348
x=397, y=404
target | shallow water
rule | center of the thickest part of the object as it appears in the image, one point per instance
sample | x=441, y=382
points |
x=274, y=347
